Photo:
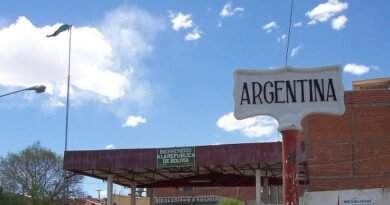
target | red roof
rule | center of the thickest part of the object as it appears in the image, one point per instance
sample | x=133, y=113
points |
x=215, y=165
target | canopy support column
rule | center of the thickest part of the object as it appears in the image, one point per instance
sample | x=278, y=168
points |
x=133, y=190
x=258, y=187
x=151, y=196
x=109, y=189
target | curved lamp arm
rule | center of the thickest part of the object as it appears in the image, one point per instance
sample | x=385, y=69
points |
x=37, y=89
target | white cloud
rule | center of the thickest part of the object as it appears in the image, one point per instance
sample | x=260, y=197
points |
x=357, y=69
x=228, y=11
x=110, y=146
x=295, y=50
x=374, y=67
x=180, y=20
x=194, y=35
x=261, y=126
x=134, y=121
x=298, y=24
x=282, y=38
x=323, y=12
x=47, y=59
x=184, y=21
x=270, y=26
x=54, y=102
x=339, y=22
x=100, y=63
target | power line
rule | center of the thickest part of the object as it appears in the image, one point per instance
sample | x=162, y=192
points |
x=289, y=31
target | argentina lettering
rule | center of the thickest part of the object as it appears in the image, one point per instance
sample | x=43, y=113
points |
x=288, y=94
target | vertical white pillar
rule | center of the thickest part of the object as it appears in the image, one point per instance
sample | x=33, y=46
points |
x=109, y=189
x=272, y=199
x=133, y=198
x=258, y=186
x=151, y=196
x=266, y=191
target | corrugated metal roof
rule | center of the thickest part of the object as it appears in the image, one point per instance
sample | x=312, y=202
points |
x=213, y=165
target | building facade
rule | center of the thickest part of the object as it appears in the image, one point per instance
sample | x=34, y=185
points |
x=345, y=152
x=351, y=151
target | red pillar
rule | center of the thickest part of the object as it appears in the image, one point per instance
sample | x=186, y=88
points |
x=290, y=168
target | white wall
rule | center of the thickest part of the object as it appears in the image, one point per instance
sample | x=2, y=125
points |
x=349, y=197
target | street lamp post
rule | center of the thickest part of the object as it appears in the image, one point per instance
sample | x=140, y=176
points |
x=37, y=89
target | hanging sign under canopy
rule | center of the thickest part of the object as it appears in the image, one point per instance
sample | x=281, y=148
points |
x=175, y=157
x=288, y=94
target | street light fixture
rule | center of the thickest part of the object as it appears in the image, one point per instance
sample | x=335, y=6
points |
x=37, y=89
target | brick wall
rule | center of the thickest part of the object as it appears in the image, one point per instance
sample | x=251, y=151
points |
x=353, y=150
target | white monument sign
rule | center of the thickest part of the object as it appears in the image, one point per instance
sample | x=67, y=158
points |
x=288, y=94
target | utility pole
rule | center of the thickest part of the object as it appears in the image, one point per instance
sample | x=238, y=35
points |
x=99, y=190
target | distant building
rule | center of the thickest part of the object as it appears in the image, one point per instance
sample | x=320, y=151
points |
x=117, y=200
x=372, y=84
x=92, y=201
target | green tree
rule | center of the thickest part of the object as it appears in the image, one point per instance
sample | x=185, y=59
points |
x=230, y=202
x=12, y=199
x=36, y=173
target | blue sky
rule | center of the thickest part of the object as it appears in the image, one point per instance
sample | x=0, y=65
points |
x=160, y=73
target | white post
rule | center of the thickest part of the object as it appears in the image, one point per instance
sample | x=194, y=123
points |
x=258, y=186
x=272, y=199
x=133, y=197
x=109, y=189
x=266, y=190
x=151, y=196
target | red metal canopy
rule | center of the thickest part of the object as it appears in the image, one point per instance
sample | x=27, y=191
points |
x=215, y=165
